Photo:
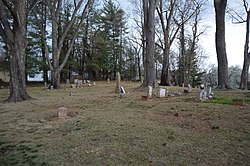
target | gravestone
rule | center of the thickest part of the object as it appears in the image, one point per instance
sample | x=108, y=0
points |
x=118, y=82
x=62, y=113
x=150, y=92
x=209, y=92
x=79, y=83
x=189, y=88
x=122, y=92
x=75, y=81
x=202, y=92
x=162, y=93
x=94, y=83
x=108, y=81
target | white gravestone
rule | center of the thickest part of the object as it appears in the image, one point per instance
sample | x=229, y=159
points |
x=75, y=81
x=79, y=83
x=162, y=93
x=150, y=92
x=189, y=88
x=122, y=92
x=202, y=92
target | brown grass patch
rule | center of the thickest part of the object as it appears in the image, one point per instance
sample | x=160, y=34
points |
x=102, y=129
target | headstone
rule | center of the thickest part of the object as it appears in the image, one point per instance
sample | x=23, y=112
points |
x=108, y=81
x=210, y=94
x=75, y=81
x=79, y=83
x=122, y=92
x=162, y=93
x=202, y=93
x=94, y=84
x=150, y=92
x=67, y=81
x=84, y=81
x=189, y=88
x=62, y=113
x=51, y=87
x=73, y=86
x=118, y=82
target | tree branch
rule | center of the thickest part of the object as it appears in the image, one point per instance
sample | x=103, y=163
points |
x=5, y=25
x=33, y=5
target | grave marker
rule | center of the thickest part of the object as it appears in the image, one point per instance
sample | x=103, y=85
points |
x=118, y=82
x=122, y=92
x=79, y=83
x=162, y=93
x=202, y=93
x=150, y=92
x=62, y=113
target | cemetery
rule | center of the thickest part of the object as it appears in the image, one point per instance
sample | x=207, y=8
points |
x=100, y=125
x=116, y=82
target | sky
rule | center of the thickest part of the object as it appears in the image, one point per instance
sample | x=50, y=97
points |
x=235, y=36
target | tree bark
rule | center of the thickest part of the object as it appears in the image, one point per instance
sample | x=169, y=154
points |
x=149, y=30
x=220, y=8
x=245, y=71
x=18, y=91
x=15, y=38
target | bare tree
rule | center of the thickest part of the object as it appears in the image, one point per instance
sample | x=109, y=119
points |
x=13, y=20
x=237, y=18
x=169, y=34
x=220, y=10
x=149, y=7
x=190, y=53
x=57, y=39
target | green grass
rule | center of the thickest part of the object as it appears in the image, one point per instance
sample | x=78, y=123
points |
x=218, y=100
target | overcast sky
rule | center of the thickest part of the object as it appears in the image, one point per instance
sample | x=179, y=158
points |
x=235, y=35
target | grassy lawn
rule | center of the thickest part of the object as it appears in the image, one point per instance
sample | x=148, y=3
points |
x=102, y=129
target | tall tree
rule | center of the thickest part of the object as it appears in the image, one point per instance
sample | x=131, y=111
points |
x=220, y=9
x=168, y=26
x=238, y=18
x=149, y=7
x=112, y=29
x=245, y=71
x=13, y=23
x=58, y=37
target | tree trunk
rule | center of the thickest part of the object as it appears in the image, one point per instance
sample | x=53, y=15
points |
x=220, y=7
x=149, y=30
x=246, y=63
x=55, y=78
x=165, y=76
x=17, y=74
x=15, y=39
